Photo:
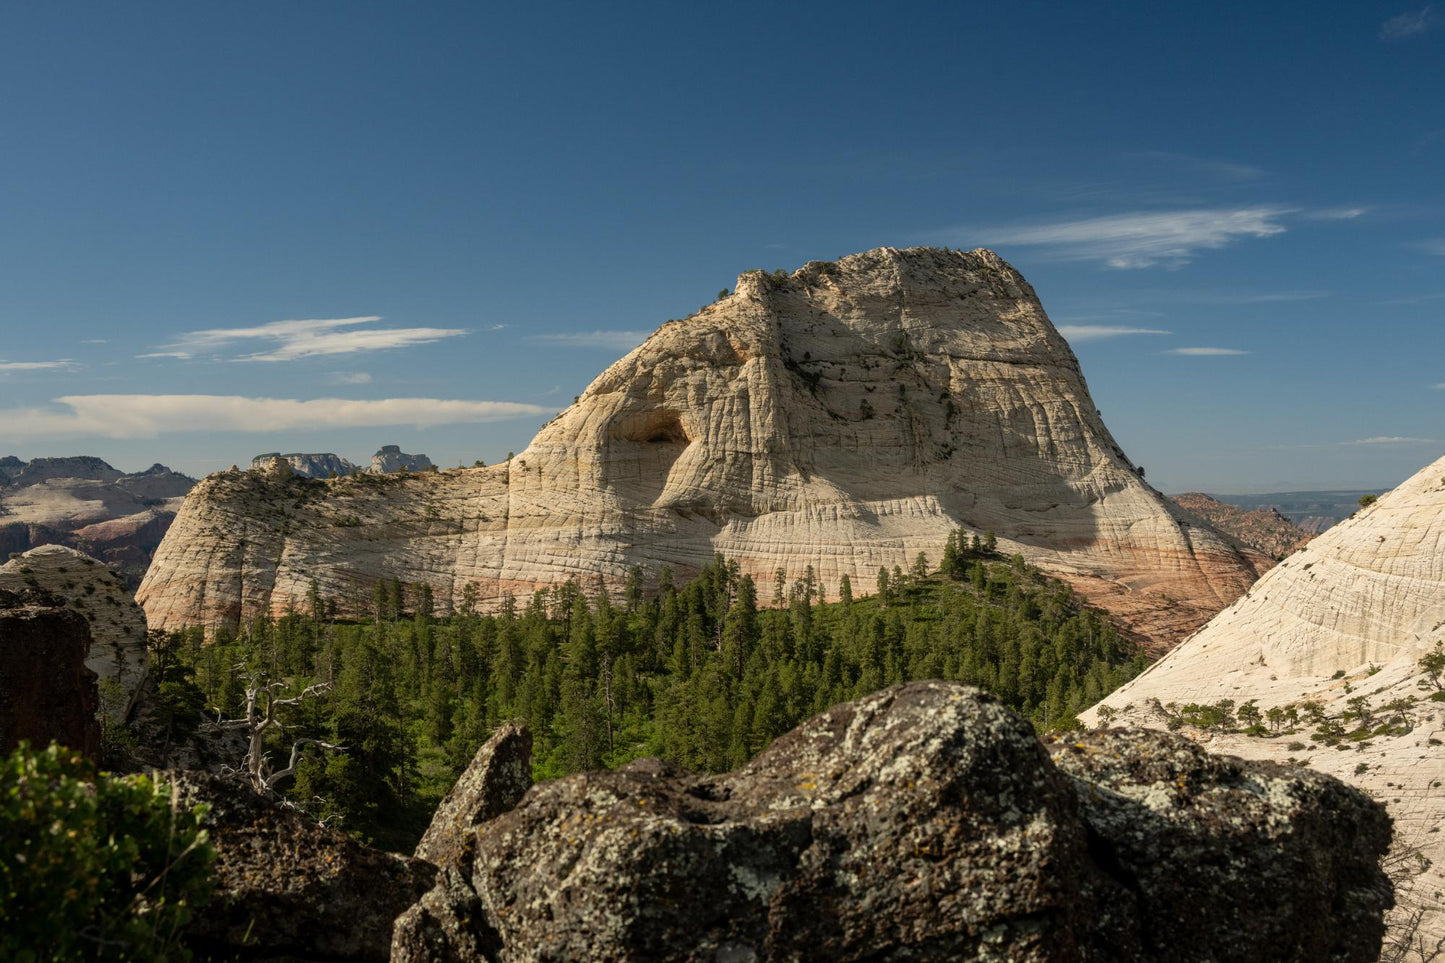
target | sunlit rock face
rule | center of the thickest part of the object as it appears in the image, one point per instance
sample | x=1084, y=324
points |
x=847, y=416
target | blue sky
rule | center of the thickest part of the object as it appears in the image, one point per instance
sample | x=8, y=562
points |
x=487, y=204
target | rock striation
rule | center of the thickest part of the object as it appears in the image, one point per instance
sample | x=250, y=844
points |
x=47, y=692
x=923, y=822
x=1342, y=623
x=116, y=644
x=847, y=416
x=317, y=465
x=84, y=503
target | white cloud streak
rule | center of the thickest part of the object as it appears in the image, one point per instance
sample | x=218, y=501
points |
x=1406, y=25
x=1205, y=352
x=1434, y=245
x=1140, y=239
x=294, y=340
x=64, y=364
x=1096, y=332
x=349, y=378
x=616, y=340
x=146, y=416
x=1390, y=440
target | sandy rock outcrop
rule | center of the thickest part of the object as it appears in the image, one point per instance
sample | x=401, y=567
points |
x=47, y=692
x=1347, y=617
x=847, y=416
x=117, y=648
x=924, y=822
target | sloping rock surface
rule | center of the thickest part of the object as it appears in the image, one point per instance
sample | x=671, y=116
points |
x=923, y=822
x=1347, y=617
x=47, y=693
x=287, y=888
x=117, y=647
x=847, y=416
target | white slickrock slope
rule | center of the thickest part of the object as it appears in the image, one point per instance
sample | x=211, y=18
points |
x=1363, y=601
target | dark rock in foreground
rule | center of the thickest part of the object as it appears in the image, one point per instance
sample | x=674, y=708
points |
x=288, y=888
x=922, y=822
x=46, y=691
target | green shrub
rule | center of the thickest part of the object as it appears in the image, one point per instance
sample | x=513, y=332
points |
x=95, y=868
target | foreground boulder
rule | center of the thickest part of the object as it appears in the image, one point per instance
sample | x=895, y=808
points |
x=47, y=693
x=288, y=888
x=925, y=821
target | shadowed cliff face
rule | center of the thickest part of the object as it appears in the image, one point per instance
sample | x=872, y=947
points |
x=848, y=417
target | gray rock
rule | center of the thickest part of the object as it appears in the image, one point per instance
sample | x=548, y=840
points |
x=288, y=888
x=499, y=775
x=925, y=821
x=310, y=465
x=390, y=458
x=46, y=690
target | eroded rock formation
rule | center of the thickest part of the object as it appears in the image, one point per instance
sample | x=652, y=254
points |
x=1346, y=618
x=117, y=649
x=390, y=458
x=847, y=416
x=924, y=822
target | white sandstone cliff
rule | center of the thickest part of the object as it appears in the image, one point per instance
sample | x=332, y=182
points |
x=847, y=416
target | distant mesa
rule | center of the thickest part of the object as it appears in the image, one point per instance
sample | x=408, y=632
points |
x=85, y=503
x=847, y=416
x=389, y=458
x=319, y=465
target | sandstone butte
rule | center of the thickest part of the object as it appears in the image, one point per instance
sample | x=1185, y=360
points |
x=847, y=416
x=1347, y=616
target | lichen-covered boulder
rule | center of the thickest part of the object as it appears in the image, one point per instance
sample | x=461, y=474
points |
x=1227, y=859
x=499, y=775
x=441, y=926
x=923, y=822
x=287, y=887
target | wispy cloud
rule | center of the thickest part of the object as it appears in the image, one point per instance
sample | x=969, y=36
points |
x=64, y=364
x=1417, y=299
x=1390, y=440
x=1434, y=245
x=1407, y=25
x=1334, y=213
x=1139, y=239
x=293, y=340
x=616, y=340
x=96, y=341
x=1207, y=166
x=349, y=378
x=1096, y=332
x=1205, y=352
x=1440, y=386
x=146, y=416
